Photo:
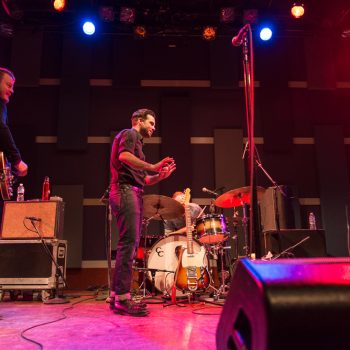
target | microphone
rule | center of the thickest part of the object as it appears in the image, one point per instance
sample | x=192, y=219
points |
x=238, y=39
x=32, y=218
x=204, y=189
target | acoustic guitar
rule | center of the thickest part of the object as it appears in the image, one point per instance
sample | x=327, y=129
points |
x=6, y=178
x=192, y=274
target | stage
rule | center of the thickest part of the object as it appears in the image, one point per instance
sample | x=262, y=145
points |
x=87, y=323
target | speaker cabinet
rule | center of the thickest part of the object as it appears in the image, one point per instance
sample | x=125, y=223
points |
x=296, y=243
x=287, y=304
x=25, y=264
x=277, y=210
x=15, y=224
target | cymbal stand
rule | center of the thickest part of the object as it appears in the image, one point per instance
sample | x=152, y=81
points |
x=245, y=220
x=145, y=224
x=235, y=233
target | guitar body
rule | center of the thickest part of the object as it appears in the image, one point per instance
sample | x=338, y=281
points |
x=5, y=179
x=192, y=275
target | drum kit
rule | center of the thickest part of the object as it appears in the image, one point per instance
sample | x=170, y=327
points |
x=161, y=260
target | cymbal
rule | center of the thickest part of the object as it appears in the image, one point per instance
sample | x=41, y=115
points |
x=161, y=207
x=237, y=197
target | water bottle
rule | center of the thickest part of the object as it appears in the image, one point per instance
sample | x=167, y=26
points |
x=20, y=193
x=46, y=189
x=312, y=221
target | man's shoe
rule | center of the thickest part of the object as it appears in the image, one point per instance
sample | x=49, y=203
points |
x=128, y=307
x=138, y=303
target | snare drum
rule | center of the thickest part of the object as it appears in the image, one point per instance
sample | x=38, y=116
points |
x=163, y=257
x=211, y=229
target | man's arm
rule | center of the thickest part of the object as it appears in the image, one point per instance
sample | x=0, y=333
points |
x=7, y=144
x=165, y=167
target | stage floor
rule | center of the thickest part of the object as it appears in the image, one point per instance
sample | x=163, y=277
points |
x=87, y=323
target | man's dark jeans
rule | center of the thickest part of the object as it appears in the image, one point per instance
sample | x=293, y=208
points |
x=127, y=207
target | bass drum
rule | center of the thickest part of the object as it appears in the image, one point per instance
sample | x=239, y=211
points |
x=164, y=256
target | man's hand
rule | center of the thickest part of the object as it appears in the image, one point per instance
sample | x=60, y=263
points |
x=163, y=163
x=167, y=170
x=21, y=168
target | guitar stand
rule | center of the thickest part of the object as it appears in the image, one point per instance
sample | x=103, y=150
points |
x=184, y=302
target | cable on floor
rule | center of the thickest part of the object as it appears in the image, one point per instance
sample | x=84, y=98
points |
x=64, y=316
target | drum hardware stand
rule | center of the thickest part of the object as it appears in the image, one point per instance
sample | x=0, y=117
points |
x=57, y=299
x=224, y=287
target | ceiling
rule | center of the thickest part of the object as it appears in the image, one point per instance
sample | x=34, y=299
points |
x=184, y=17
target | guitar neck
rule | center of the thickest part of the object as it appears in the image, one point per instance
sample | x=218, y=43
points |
x=189, y=229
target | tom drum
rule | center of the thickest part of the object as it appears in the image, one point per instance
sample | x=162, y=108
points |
x=211, y=229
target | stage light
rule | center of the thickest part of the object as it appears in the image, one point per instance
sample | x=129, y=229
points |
x=89, y=28
x=59, y=5
x=106, y=13
x=297, y=10
x=250, y=16
x=127, y=15
x=140, y=32
x=209, y=33
x=227, y=14
x=265, y=34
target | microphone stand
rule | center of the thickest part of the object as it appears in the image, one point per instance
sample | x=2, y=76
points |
x=291, y=248
x=58, y=273
x=108, y=239
x=254, y=232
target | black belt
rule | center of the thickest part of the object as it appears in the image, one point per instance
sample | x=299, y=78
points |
x=134, y=188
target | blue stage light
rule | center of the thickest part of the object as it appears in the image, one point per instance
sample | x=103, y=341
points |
x=265, y=33
x=89, y=28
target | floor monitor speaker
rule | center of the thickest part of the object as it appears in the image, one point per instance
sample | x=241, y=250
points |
x=287, y=304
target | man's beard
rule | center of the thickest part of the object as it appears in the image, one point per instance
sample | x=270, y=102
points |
x=144, y=132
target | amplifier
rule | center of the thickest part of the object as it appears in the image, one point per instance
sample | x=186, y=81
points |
x=278, y=241
x=16, y=226
x=25, y=264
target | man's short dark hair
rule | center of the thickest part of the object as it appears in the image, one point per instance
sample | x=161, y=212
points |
x=4, y=71
x=142, y=113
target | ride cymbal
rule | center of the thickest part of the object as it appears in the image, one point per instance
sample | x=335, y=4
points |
x=237, y=197
x=161, y=207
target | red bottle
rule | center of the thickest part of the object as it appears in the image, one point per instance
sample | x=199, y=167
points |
x=46, y=189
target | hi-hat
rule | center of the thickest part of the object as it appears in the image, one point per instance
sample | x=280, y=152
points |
x=237, y=197
x=161, y=207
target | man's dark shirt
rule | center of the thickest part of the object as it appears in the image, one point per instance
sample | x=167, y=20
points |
x=7, y=144
x=128, y=140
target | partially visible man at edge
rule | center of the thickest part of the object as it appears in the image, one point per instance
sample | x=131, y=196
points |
x=7, y=143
